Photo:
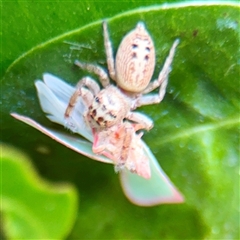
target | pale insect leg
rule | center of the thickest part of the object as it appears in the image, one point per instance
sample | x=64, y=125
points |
x=87, y=96
x=102, y=143
x=128, y=134
x=105, y=150
x=100, y=72
x=141, y=121
x=109, y=52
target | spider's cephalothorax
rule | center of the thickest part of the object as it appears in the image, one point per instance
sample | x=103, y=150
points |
x=104, y=110
x=112, y=107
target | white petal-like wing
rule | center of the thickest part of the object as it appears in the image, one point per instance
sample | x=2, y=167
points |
x=54, y=96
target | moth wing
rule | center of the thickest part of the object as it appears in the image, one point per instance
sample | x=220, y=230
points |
x=73, y=142
x=54, y=96
x=60, y=88
x=149, y=192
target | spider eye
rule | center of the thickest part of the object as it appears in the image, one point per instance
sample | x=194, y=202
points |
x=100, y=119
x=112, y=115
x=94, y=113
x=134, y=46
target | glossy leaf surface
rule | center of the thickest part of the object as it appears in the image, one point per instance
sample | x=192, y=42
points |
x=23, y=31
x=32, y=208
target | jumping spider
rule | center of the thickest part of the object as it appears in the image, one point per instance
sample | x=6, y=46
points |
x=110, y=110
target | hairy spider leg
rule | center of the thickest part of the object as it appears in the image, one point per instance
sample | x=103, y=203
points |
x=162, y=81
x=86, y=95
x=100, y=72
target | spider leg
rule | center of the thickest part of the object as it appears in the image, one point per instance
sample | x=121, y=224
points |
x=142, y=121
x=162, y=81
x=163, y=75
x=149, y=99
x=100, y=72
x=86, y=94
x=109, y=52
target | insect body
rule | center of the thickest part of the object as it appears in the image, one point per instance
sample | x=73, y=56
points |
x=111, y=109
x=121, y=144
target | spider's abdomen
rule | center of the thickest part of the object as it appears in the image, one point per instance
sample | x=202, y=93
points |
x=135, y=60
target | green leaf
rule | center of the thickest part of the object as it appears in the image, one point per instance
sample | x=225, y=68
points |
x=23, y=31
x=196, y=133
x=31, y=207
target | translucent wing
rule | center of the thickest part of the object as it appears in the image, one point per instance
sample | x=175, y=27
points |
x=149, y=192
x=77, y=144
x=54, y=95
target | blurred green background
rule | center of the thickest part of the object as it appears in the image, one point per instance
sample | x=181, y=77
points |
x=195, y=138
